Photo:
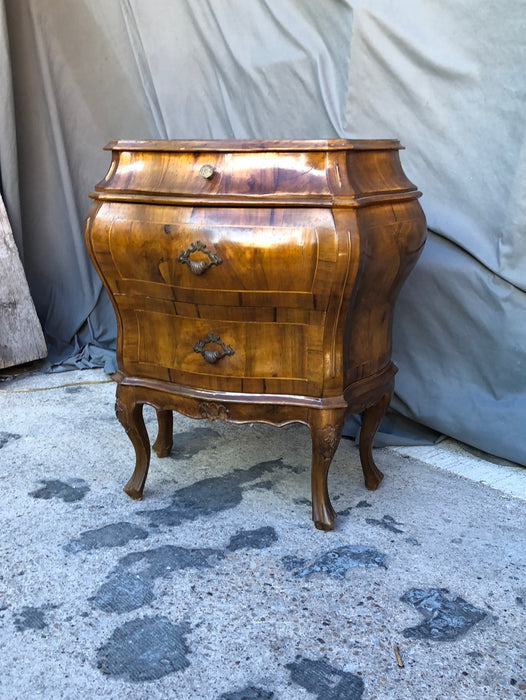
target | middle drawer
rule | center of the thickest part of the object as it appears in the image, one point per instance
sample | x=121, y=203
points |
x=223, y=250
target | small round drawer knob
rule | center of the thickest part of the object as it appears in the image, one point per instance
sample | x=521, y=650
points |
x=206, y=171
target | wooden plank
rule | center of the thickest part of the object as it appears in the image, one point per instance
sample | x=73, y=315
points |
x=21, y=337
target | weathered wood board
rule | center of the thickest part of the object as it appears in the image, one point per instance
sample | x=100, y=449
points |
x=21, y=337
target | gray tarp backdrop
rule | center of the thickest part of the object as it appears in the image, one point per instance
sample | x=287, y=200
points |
x=447, y=78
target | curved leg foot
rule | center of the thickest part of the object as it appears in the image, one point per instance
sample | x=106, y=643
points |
x=130, y=416
x=371, y=420
x=326, y=430
x=164, y=442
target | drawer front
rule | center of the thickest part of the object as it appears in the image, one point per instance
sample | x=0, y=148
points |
x=195, y=173
x=201, y=352
x=187, y=254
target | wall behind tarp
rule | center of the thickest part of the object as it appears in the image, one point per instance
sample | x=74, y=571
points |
x=448, y=79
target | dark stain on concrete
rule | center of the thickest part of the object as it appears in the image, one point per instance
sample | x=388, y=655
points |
x=387, y=522
x=444, y=620
x=32, y=618
x=8, y=437
x=163, y=561
x=189, y=443
x=248, y=693
x=290, y=562
x=123, y=592
x=336, y=562
x=114, y=535
x=302, y=502
x=345, y=512
x=298, y=469
x=324, y=681
x=264, y=485
x=253, y=539
x=210, y=496
x=145, y=649
x=364, y=504
x=70, y=491
x=73, y=389
x=130, y=584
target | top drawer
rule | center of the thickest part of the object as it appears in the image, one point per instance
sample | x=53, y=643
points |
x=198, y=173
x=282, y=173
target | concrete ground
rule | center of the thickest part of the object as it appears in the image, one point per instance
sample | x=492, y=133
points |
x=217, y=585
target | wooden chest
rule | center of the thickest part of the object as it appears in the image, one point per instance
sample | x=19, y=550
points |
x=255, y=281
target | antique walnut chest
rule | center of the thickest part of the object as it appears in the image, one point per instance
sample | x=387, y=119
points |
x=255, y=281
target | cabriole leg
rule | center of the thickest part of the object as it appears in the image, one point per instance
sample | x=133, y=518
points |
x=130, y=416
x=164, y=442
x=371, y=419
x=326, y=429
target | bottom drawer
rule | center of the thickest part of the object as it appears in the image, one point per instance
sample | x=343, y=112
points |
x=202, y=348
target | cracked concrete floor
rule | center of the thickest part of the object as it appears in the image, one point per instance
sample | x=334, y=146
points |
x=217, y=585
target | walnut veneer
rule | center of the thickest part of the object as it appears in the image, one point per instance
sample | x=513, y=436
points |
x=255, y=281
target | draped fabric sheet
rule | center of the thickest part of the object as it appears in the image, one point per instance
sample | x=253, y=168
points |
x=448, y=79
